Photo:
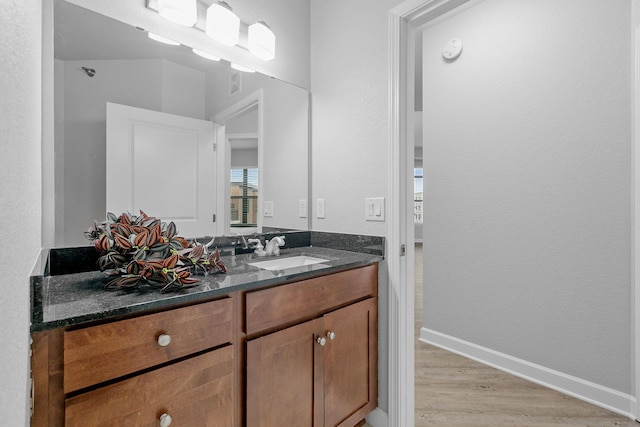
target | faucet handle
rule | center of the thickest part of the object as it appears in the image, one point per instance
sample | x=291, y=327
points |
x=255, y=243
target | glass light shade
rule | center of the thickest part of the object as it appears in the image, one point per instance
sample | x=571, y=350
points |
x=162, y=39
x=262, y=41
x=183, y=12
x=206, y=55
x=241, y=68
x=222, y=24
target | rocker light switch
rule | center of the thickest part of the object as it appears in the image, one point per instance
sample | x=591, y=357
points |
x=374, y=209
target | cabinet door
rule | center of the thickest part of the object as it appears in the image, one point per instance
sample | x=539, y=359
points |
x=196, y=392
x=350, y=363
x=284, y=376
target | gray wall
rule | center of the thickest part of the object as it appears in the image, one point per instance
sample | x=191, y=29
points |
x=527, y=158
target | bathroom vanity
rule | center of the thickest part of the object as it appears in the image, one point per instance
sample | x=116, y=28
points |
x=252, y=347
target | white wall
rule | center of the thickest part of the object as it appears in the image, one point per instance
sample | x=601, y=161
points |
x=183, y=90
x=20, y=192
x=527, y=160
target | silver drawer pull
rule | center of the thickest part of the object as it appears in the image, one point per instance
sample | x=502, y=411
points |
x=321, y=340
x=331, y=335
x=163, y=341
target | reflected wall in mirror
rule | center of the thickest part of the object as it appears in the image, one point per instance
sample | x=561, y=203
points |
x=99, y=60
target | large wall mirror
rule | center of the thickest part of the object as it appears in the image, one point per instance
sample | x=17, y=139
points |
x=260, y=128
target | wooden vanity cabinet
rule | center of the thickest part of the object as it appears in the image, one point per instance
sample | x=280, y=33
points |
x=302, y=353
x=322, y=371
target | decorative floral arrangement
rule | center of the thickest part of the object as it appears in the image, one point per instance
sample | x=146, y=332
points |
x=144, y=251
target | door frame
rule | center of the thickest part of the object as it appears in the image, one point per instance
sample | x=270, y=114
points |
x=224, y=153
x=404, y=19
x=635, y=188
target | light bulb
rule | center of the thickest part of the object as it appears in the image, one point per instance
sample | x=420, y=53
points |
x=262, y=41
x=222, y=24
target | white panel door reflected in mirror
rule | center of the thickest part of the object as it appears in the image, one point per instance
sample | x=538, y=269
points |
x=163, y=164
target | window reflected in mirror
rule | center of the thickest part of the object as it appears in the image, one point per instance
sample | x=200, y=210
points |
x=244, y=198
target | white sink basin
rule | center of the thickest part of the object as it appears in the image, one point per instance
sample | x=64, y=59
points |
x=284, y=263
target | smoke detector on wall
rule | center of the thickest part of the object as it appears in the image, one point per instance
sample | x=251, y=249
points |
x=452, y=49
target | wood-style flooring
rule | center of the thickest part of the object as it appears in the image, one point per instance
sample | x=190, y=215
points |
x=452, y=390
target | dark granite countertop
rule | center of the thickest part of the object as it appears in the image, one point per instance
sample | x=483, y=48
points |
x=79, y=298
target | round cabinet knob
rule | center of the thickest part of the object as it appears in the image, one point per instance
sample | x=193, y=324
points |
x=331, y=335
x=321, y=340
x=163, y=341
x=165, y=420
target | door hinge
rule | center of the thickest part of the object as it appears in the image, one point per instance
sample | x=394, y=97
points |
x=214, y=217
x=215, y=147
x=403, y=249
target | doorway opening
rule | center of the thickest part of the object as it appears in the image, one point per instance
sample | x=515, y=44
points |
x=240, y=141
x=245, y=185
x=406, y=19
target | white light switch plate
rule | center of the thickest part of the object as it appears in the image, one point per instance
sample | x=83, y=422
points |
x=268, y=208
x=320, y=208
x=374, y=209
x=303, y=208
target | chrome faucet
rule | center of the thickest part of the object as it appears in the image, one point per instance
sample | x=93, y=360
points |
x=273, y=246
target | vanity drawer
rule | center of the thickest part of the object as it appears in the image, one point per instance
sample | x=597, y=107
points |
x=281, y=305
x=195, y=392
x=100, y=353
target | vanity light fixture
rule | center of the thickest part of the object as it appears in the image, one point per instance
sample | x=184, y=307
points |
x=241, y=68
x=206, y=55
x=182, y=12
x=262, y=41
x=222, y=24
x=162, y=39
